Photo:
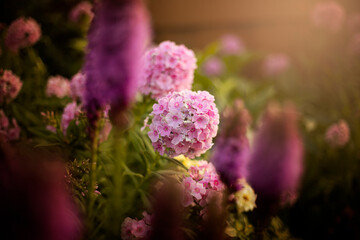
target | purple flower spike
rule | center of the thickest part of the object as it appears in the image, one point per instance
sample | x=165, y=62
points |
x=116, y=40
x=232, y=147
x=276, y=163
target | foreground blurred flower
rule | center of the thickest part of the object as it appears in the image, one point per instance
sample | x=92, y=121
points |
x=10, y=86
x=167, y=68
x=71, y=111
x=213, y=67
x=77, y=86
x=34, y=203
x=184, y=123
x=338, y=134
x=81, y=9
x=231, y=151
x=8, y=132
x=58, y=86
x=276, y=163
x=275, y=64
x=117, y=37
x=23, y=32
x=328, y=15
x=231, y=45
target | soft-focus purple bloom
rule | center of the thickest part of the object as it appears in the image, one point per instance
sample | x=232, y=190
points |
x=58, y=86
x=231, y=151
x=213, y=67
x=328, y=15
x=338, y=134
x=81, y=9
x=23, y=32
x=231, y=45
x=275, y=64
x=10, y=86
x=34, y=203
x=117, y=37
x=71, y=111
x=77, y=86
x=276, y=162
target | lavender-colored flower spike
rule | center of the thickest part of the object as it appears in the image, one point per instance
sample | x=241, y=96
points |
x=232, y=147
x=116, y=40
x=276, y=163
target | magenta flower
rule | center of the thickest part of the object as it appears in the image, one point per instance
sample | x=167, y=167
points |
x=167, y=68
x=8, y=132
x=231, y=151
x=231, y=45
x=275, y=64
x=328, y=15
x=213, y=67
x=10, y=86
x=180, y=126
x=58, y=86
x=117, y=38
x=71, y=112
x=77, y=86
x=136, y=229
x=276, y=163
x=22, y=33
x=81, y=9
x=338, y=134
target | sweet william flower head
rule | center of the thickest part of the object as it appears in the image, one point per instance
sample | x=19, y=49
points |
x=10, y=86
x=58, y=86
x=184, y=123
x=23, y=32
x=338, y=134
x=167, y=68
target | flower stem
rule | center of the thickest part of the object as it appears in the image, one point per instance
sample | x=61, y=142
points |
x=92, y=177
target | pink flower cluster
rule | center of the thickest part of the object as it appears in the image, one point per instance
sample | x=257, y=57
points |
x=167, y=68
x=8, y=133
x=77, y=86
x=202, y=186
x=10, y=86
x=338, y=134
x=231, y=45
x=328, y=15
x=81, y=9
x=22, y=33
x=58, y=86
x=71, y=111
x=275, y=64
x=136, y=229
x=184, y=123
x=213, y=67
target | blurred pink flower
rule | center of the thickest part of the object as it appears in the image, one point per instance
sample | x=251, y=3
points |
x=213, y=67
x=231, y=45
x=275, y=64
x=136, y=229
x=58, y=86
x=338, y=134
x=23, y=32
x=81, y=9
x=167, y=68
x=10, y=86
x=329, y=15
x=77, y=86
x=8, y=132
x=71, y=112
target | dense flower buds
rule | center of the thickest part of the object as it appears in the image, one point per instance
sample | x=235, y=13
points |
x=117, y=37
x=231, y=149
x=167, y=68
x=276, y=163
x=328, y=15
x=22, y=33
x=10, y=86
x=58, y=86
x=184, y=123
x=338, y=134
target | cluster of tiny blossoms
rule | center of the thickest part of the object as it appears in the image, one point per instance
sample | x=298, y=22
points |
x=22, y=33
x=184, y=123
x=167, y=68
x=10, y=86
x=136, y=229
x=58, y=86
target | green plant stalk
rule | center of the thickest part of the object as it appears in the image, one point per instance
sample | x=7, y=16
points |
x=92, y=173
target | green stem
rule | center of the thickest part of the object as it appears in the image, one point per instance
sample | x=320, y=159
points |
x=93, y=160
